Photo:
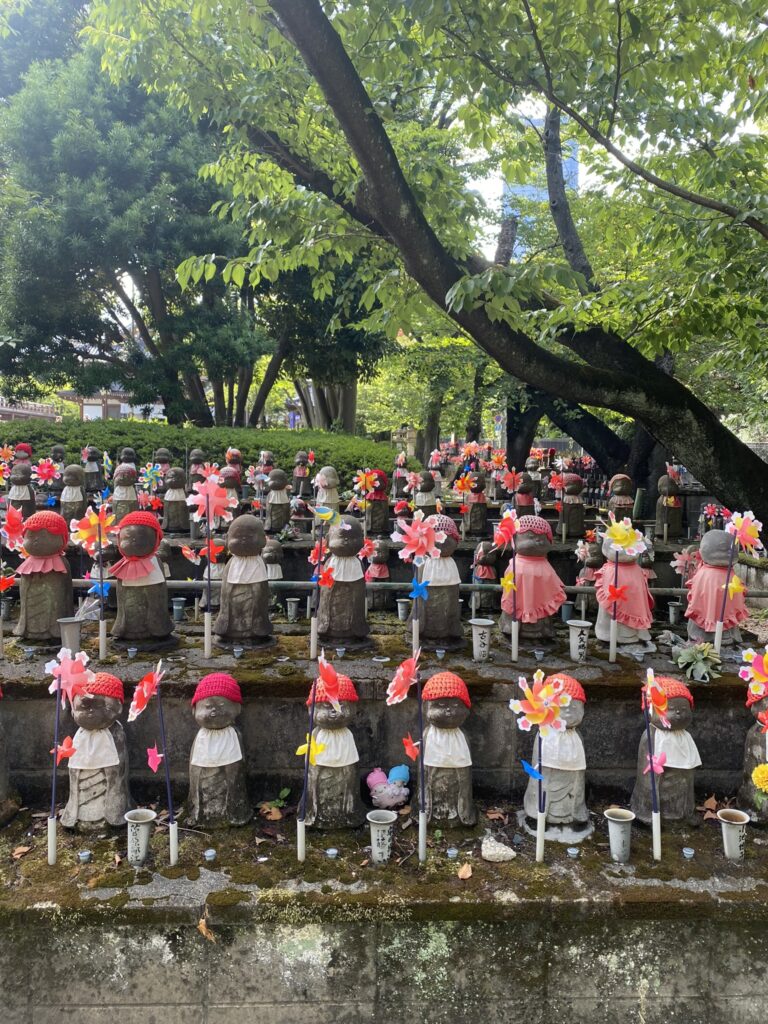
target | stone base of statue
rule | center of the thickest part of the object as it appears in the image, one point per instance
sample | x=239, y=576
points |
x=45, y=597
x=123, y=508
x=377, y=518
x=673, y=518
x=573, y=517
x=448, y=796
x=700, y=636
x=278, y=516
x=440, y=620
x=243, y=618
x=333, y=797
x=218, y=797
x=476, y=520
x=70, y=510
x=175, y=518
x=341, y=620
x=542, y=629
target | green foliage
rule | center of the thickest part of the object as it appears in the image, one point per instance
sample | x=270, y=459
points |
x=348, y=454
x=700, y=661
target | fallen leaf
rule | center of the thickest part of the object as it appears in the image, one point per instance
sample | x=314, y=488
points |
x=710, y=816
x=118, y=860
x=494, y=814
x=20, y=851
x=364, y=863
x=465, y=872
x=711, y=803
x=258, y=840
x=270, y=813
x=405, y=810
x=205, y=931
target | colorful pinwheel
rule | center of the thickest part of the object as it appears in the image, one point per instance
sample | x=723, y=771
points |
x=745, y=530
x=71, y=673
x=624, y=537
x=541, y=705
x=419, y=539
x=365, y=481
x=318, y=553
x=6, y=453
x=511, y=480
x=755, y=672
x=211, y=550
x=213, y=500
x=85, y=531
x=463, y=484
x=367, y=549
x=45, y=471
x=150, y=476
x=403, y=679
x=656, y=762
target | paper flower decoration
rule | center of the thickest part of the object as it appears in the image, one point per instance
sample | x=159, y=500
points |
x=556, y=482
x=419, y=539
x=85, y=531
x=656, y=762
x=755, y=671
x=45, y=471
x=655, y=697
x=146, y=688
x=403, y=679
x=212, y=499
x=64, y=749
x=541, y=704
x=684, y=561
x=760, y=777
x=745, y=530
x=154, y=758
x=12, y=529
x=508, y=527
x=411, y=747
x=365, y=481
x=69, y=673
x=367, y=549
x=498, y=459
x=313, y=748
x=624, y=537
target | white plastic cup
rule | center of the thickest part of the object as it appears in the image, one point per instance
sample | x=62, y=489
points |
x=70, y=633
x=579, y=639
x=382, y=826
x=292, y=606
x=140, y=823
x=619, y=832
x=675, y=612
x=481, y=638
x=734, y=827
x=403, y=608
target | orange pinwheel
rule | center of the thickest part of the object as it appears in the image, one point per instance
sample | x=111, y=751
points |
x=541, y=705
x=6, y=453
x=463, y=484
x=504, y=533
x=655, y=697
x=365, y=481
x=85, y=531
x=498, y=459
x=411, y=748
x=64, y=749
x=403, y=679
x=330, y=680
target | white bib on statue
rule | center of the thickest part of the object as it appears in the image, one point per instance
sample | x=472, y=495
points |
x=94, y=748
x=213, y=748
x=19, y=492
x=175, y=494
x=440, y=572
x=679, y=747
x=340, y=748
x=72, y=494
x=124, y=492
x=274, y=572
x=328, y=496
x=246, y=569
x=346, y=569
x=424, y=498
x=563, y=750
x=446, y=748
x=278, y=497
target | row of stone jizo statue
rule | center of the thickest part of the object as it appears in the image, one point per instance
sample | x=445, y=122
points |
x=99, y=774
x=532, y=592
x=69, y=487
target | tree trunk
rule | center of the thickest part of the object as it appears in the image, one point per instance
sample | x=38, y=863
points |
x=521, y=430
x=431, y=426
x=323, y=413
x=609, y=451
x=230, y=399
x=349, y=407
x=244, y=381
x=475, y=418
x=273, y=370
x=219, y=403
x=306, y=404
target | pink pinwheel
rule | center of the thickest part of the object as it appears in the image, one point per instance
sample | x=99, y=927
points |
x=413, y=482
x=146, y=688
x=541, y=705
x=330, y=681
x=419, y=539
x=404, y=678
x=505, y=532
x=656, y=762
x=367, y=549
x=745, y=530
x=755, y=671
x=154, y=758
x=12, y=529
x=684, y=561
x=209, y=497
x=190, y=554
x=71, y=673
x=45, y=471
x=209, y=469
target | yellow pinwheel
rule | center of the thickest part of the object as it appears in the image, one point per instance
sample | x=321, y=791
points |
x=314, y=748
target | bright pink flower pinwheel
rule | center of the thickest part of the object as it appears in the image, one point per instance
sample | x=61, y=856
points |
x=419, y=539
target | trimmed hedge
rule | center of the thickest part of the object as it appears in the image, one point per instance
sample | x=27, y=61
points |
x=343, y=451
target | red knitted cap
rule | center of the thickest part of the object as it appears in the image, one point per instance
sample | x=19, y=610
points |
x=383, y=479
x=218, y=684
x=572, y=478
x=50, y=521
x=535, y=524
x=444, y=523
x=446, y=684
x=570, y=685
x=347, y=691
x=674, y=688
x=105, y=685
x=24, y=447
x=142, y=519
x=753, y=696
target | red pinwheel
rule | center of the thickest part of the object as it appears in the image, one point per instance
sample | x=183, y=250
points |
x=154, y=758
x=325, y=579
x=556, y=482
x=6, y=582
x=212, y=499
x=64, y=749
x=411, y=748
x=511, y=480
x=318, y=553
x=211, y=550
x=45, y=471
x=12, y=529
x=504, y=534
x=403, y=679
x=330, y=680
x=145, y=690
x=617, y=593
x=190, y=554
x=401, y=507
x=367, y=549
x=71, y=673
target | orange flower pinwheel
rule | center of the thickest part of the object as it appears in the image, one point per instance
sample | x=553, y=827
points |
x=541, y=705
x=655, y=697
x=463, y=484
x=745, y=530
x=506, y=530
x=365, y=481
x=85, y=531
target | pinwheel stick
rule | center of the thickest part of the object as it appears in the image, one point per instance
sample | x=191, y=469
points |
x=614, y=635
x=207, y=618
x=541, y=817
x=422, y=787
x=721, y=617
x=315, y=599
x=301, y=840
x=515, y=634
x=52, y=817
x=102, y=619
x=173, y=826
x=416, y=617
x=655, y=812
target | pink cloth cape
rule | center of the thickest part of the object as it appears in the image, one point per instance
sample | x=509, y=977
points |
x=484, y=572
x=635, y=611
x=539, y=590
x=49, y=563
x=587, y=575
x=133, y=567
x=705, y=599
x=524, y=499
x=377, y=571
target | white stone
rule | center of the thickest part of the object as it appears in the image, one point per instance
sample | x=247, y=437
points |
x=496, y=852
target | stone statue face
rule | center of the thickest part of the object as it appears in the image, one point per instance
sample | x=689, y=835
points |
x=526, y=484
x=346, y=538
x=623, y=486
x=137, y=541
x=278, y=480
x=594, y=555
x=246, y=537
x=447, y=547
x=93, y=711
x=715, y=547
x=175, y=477
x=73, y=476
x=532, y=464
x=478, y=483
x=301, y=459
x=679, y=713
x=668, y=486
x=534, y=544
x=326, y=717
x=573, y=715
x=42, y=543
x=426, y=482
x=92, y=453
x=380, y=552
x=329, y=478
x=574, y=487
x=128, y=455
x=273, y=552
x=58, y=453
x=162, y=455
x=197, y=455
x=446, y=712
x=21, y=474
x=759, y=706
x=216, y=712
